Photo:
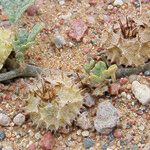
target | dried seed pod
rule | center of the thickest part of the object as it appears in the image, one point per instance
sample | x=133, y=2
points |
x=54, y=102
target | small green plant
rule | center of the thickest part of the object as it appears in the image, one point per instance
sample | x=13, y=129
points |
x=97, y=75
x=15, y=8
x=24, y=39
x=98, y=71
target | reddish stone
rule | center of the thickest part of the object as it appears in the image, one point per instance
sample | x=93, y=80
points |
x=92, y=2
x=32, y=10
x=114, y=89
x=77, y=29
x=47, y=142
x=118, y=133
x=123, y=81
x=32, y=147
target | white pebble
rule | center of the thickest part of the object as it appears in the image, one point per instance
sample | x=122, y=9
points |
x=4, y=120
x=118, y=2
x=85, y=133
x=19, y=119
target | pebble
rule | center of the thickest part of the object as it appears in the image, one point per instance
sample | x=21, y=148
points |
x=114, y=89
x=32, y=10
x=38, y=136
x=7, y=148
x=88, y=142
x=118, y=2
x=147, y=73
x=19, y=119
x=85, y=133
x=147, y=147
x=4, y=120
x=83, y=121
x=32, y=147
x=141, y=92
x=141, y=127
x=128, y=96
x=77, y=29
x=47, y=142
x=124, y=94
x=79, y=132
x=92, y=2
x=110, y=7
x=88, y=100
x=59, y=41
x=107, y=117
x=61, y=2
x=123, y=81
x=118, y=133
x=2, y=135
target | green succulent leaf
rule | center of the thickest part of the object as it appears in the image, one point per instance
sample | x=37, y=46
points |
x=89, y=66
x=24, y=39
x=99, y=68
x=15, y=8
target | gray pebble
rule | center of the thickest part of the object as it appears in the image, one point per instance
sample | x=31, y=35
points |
x=4, y=120
x=88, y=100
x=147, y=73
x=2, y=135
x=59, y=41
x=107, y=117
x=83, y=121
x=19, y=119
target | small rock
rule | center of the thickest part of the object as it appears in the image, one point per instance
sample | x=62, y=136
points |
x=147, y=147
x=32, y=10
x=32, y=147
x=47, y=142
x=59, y=41
x=88, y=100
x=92, y=2
x=85, y=133
x=19, y=119
x=79, y=132
x=147, y=73
x=7, y=148
x=118, y=2
x=2, y=135
x=107, y=118
x=141, y=92
x=88, y=142
x=141, y=127
x=118, y=133
x=61, y=2
x=114, y=89
x=123, y=81
x=83, y=121
x=37, y=135
x=77, y=29
x=110, y=7
x=106, y=18
x=4, y=120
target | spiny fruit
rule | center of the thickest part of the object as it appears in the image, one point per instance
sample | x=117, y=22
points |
x=6, y=39
x=54, y=102
x=128, y=44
